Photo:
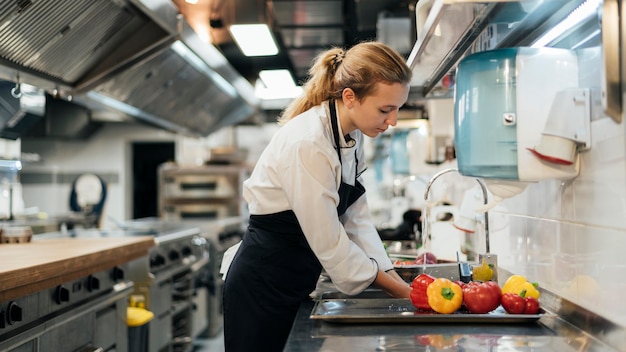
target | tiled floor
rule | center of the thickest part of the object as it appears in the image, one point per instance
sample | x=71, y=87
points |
x=214, y=344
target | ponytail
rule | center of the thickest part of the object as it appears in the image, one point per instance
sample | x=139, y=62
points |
x=320, y=85
x=360, y=68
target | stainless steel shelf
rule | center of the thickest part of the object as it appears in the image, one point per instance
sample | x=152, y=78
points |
x=455, y=28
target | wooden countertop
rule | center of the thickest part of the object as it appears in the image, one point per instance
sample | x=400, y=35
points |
x=43, y=263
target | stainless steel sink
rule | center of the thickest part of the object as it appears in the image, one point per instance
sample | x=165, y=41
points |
x=408, y=273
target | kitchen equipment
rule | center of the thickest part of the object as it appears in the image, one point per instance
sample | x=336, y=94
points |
x=409, y=230
x=399, y=153
x=465, y=270
x=194, y=211
x=491, y=259
x=194, y=185
x=505, y=128
x=206, y=192
x=71, y=316
x=166, y=285
x=220, y=235
x=227, y=155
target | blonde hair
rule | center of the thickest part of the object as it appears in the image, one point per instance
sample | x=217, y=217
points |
x=359, y=68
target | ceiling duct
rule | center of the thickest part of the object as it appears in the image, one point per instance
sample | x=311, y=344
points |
x=21, y=107
x=137, y=58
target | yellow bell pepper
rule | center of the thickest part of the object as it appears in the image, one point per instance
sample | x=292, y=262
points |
x=444, y=296
x=519, y=285
x=483, y=272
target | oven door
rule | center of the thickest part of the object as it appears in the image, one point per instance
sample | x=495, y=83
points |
x=198, y=186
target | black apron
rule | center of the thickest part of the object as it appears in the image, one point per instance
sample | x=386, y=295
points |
x=273, y=271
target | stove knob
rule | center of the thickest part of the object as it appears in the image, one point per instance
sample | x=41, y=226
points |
x=186, y=251
x=198, y=241
x=93, y=283
x=174, y=255
x=14, y=313
x=117, y=274
x=157, y=260
x=62, y=294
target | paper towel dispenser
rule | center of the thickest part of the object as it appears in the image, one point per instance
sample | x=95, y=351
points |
x=506, y=120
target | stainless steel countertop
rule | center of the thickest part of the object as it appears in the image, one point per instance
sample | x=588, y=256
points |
x=550, y=333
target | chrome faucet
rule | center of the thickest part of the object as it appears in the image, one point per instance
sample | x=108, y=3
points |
x=425, y=227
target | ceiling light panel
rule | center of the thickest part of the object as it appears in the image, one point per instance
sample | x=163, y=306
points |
x=254, y=39
x=277, y=78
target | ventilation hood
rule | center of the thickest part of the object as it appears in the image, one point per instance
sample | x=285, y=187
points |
x=20, y=108
x=131, y=58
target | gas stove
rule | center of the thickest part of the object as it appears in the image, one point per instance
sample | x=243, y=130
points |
x=50, y=318
x=220, y=234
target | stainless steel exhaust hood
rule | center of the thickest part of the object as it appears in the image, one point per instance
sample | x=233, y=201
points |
x=21, y=107
x=137, y=57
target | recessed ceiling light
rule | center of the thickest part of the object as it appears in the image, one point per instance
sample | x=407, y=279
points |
x=276, y=84
x=193, y=2
x=277, y=78
x=254, y=39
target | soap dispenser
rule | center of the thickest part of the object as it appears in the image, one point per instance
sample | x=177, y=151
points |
x=520, y=117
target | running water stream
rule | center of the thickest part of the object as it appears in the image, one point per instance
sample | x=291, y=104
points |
x=425, y=236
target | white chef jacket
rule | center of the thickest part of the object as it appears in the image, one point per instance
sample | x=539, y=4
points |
x=299, y=171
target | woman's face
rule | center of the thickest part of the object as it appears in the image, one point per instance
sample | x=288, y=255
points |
x=376, y=112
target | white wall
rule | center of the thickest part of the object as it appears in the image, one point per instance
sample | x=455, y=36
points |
x=106, y=152
x=570, y=236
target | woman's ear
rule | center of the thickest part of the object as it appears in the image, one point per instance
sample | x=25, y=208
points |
x=348, y=97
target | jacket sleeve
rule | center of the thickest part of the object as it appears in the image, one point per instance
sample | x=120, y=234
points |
x=310, y=177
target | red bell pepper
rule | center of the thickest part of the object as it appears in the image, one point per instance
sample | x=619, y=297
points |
x=518, y=304
x=481, y=297
x=419, y=298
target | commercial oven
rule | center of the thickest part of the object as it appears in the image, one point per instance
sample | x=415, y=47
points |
x=87, y=314
x=205, y=192
x=198, y=185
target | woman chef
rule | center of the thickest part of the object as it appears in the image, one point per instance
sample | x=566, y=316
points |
x=308, y=208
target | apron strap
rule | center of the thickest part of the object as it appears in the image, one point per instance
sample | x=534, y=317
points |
x=333, y=122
